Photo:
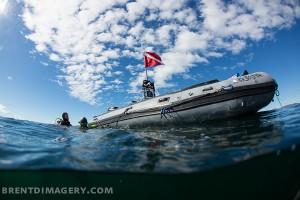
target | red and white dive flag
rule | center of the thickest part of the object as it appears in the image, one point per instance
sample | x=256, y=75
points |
x=151, y=59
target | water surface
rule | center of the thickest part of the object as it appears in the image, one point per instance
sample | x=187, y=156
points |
x=194, y=148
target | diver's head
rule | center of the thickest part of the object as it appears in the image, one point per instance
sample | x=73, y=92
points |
x=83, y=123
x=145, y=82
x=65, y=116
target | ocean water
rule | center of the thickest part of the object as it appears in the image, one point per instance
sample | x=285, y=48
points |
x=194, y=148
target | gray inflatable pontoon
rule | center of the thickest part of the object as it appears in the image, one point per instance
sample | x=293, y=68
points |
x=205, y=101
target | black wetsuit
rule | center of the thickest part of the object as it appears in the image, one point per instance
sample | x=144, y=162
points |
x=65, y=123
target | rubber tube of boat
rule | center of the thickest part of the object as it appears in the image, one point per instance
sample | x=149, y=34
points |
x=277, y=96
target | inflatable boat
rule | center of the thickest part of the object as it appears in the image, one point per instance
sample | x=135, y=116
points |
x=238, y=95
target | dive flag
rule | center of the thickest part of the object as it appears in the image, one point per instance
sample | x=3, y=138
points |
x=151, y=59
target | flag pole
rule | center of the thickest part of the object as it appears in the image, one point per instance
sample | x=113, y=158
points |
x=145, y=66
x=146, y=74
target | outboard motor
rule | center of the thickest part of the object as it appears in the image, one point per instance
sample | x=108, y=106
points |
x=149, y=89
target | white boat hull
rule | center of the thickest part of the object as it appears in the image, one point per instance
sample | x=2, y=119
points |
x=246, y=94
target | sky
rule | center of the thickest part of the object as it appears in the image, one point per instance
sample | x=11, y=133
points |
x=82, y=56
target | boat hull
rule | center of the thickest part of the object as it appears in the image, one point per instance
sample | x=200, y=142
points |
x=195, y=105
x=221, y=110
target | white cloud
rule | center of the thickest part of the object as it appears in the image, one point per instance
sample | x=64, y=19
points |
x=175, y=63
x=135, y=69
x=10, y=78
x=117, y=82
x=3, y=109
x=90, y=38
x=3, y=5
x=4, y=112
x=45, y=63
x=118, y=73
x=54, y=57
x=189, y=41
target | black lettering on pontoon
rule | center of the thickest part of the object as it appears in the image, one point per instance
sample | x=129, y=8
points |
x=249, y=77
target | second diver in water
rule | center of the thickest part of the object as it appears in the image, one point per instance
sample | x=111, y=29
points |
x=83, y=123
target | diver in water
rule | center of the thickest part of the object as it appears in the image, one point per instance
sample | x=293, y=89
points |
x=83, y=123
x=65, y=120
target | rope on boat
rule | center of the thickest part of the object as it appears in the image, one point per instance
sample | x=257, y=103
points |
x=277, y=94
x=165, y=111
x=126, y=111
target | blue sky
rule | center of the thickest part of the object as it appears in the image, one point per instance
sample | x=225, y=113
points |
x=82, y=56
